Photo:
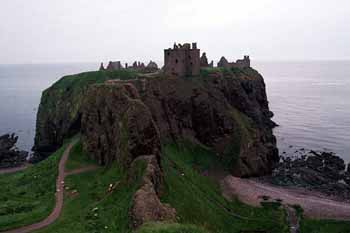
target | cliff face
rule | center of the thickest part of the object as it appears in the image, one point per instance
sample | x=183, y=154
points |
x=226, y=110
x=59, y=111
x=116, y=125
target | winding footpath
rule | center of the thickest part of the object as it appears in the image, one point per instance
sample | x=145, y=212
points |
x=59, y=194
x=13, y=169
x=315, y=205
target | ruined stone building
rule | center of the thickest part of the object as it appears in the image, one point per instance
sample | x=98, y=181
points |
x=102, y=67
x=241, y=63
x=117, y=65
x=182, y=60
x=138, y=65
x=151, y=67
x=204, y=61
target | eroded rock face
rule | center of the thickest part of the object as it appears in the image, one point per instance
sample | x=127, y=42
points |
x=225, y=110
x=146, y=205
x=116, y=125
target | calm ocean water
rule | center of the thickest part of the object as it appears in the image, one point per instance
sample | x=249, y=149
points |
x=311, y=101
x=20, y=92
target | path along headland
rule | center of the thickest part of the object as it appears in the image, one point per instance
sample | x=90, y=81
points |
x=58, y=195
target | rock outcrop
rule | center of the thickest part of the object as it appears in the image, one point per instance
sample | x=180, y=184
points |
x=59, y=113
x=116, y=125
x=226, y=110
x=9, y=155
x=319, y=171
x=146, y=206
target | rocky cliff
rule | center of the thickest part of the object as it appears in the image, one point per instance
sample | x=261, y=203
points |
x=10, y=156
x=60, y=108
x=222, y=109
x=117, y=125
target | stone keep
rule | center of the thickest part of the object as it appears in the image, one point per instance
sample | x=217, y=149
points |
x=182, y=60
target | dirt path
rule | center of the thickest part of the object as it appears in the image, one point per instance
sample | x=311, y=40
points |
x=314, y=204
x=59, y=195
x=13, y=169
x=81, y=170
x=293, y=219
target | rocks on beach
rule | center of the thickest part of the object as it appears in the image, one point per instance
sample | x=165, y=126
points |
x=10, y=156
x=324, y=172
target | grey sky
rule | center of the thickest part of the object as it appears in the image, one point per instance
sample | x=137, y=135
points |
x=37, y=31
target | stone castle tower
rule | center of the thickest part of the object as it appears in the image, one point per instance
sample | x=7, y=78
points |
x=182, y=60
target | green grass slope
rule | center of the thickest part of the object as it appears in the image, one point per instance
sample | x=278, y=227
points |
x=77, y=158
x=169, y=228
x=324, y=226
x=89, y=206
x=29, y=196
x=198, y=199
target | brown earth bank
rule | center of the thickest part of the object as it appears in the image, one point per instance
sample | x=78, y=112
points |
x=226, y=111
x=314, y=204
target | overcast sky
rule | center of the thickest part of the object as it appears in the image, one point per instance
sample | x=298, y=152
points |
x=48, y=31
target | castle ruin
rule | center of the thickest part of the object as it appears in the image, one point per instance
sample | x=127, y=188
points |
x=182, y=60
x=240, y=63
x=117, y=65
x=139, y=66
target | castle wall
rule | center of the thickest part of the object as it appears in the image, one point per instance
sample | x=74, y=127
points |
x=241, y=63
x=182, y=61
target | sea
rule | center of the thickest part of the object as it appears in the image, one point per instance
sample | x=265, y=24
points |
x=310, y=101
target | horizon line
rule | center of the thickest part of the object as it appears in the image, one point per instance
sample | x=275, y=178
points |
x=252, y=60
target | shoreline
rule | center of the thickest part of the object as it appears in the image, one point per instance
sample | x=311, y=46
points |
x=314, y=204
